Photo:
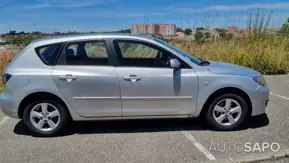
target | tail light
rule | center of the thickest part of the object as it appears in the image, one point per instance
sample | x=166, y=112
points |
x=6, y=77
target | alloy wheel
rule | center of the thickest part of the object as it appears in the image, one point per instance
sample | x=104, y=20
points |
x=45, y=116
x=227, y=112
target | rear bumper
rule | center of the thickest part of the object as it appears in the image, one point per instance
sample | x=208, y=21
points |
x=7, y=105
x=259, y=99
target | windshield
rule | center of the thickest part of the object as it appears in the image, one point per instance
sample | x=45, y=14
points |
x=183, y=53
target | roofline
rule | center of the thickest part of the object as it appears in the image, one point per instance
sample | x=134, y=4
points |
x=66, y=38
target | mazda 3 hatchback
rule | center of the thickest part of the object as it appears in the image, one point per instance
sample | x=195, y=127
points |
x=123, y=76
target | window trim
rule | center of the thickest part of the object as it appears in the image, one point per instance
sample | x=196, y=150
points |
x=53, y=63
x=61, y=61
x=147, y=43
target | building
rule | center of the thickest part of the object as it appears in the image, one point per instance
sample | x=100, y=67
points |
x=154, y=29
x=139, y=28
x=232, y=29
x=170, y=30
x=161, y=29
x=134, y=28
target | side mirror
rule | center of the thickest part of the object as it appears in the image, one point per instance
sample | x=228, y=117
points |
x=174, y=63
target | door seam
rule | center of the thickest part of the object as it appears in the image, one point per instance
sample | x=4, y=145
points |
x=119, y=87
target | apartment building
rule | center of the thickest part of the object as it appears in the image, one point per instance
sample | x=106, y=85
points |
x=139, y=29
x=170, y=30
x=154, y=29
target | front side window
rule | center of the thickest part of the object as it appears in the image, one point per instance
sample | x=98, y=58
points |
x=92, y=53
x=140, y=54
x=181, y=52
x=137, y=50
x=48, y=53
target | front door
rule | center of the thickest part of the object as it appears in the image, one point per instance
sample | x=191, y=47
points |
x=86, y=78
x=149, y=86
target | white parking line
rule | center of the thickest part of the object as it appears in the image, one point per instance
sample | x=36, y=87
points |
x=4, y=120
x=286, y=98
x=199, y=146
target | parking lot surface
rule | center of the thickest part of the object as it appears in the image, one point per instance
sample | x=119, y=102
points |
x=174, y=140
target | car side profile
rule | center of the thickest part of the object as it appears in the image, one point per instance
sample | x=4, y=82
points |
x=124, y=76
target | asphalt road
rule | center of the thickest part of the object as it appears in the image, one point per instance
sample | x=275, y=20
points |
x=176, y=140
x=283, y=160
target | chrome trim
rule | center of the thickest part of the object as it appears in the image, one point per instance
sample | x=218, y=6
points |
x=92, y=98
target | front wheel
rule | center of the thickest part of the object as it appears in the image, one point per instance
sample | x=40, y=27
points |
x=227, y=112
x=45, y=118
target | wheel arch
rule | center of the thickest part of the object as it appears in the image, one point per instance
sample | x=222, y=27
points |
x=221, y=91
x=39, y=96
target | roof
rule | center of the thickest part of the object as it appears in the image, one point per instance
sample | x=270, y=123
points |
x=65, y=38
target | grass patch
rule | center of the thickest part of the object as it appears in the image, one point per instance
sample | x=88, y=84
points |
x=268, y=54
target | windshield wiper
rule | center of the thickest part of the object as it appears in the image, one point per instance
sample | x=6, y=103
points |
x=203, y=62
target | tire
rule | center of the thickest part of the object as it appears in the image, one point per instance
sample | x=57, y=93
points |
x=50, y=131
x=212, y=115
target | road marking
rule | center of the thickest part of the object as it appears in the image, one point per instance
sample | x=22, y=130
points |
x=286, y=98
x=4, y=120
x=199, y=146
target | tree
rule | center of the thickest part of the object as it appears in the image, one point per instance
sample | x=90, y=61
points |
x=284, y=31
x=12, y=33
x=200, y=28
x=207, y=35
x=188, y=31
x=180, y=30
x=223, y=34
x=21, y=33
x=125, y=31
x=199, y=37
x=36, y=32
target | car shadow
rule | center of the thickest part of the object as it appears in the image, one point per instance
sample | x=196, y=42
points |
x=142, y=126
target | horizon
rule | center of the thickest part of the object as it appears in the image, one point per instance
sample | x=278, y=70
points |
x=114, y=15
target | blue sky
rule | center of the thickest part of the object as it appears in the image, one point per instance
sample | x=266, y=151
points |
x=109, y=15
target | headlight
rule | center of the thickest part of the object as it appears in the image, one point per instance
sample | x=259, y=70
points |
x=260, y=80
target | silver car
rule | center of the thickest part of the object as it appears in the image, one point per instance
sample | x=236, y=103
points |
x=123, y=76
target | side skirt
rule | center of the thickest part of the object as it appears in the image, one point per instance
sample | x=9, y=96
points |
x=131, y=117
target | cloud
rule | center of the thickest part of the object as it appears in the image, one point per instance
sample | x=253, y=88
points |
x=278, y=6
x=67, y=4
x=115, y=14
x=37, y=6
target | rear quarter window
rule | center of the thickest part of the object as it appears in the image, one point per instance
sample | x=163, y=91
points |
x=48, y=53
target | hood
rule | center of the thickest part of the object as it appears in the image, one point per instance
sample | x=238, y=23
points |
x=227, y=68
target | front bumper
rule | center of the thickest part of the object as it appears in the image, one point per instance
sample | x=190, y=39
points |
x=259, y=99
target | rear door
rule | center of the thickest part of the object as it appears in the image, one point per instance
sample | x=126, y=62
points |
x=149, y=86
x=87, y=78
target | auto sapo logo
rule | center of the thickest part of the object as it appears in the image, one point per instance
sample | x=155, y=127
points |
x=247, y=147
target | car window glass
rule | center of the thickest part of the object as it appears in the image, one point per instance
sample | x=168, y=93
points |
x=48, y=53
x=136, y=50
x=95, y=49
x=140, y=54
x=86, y=53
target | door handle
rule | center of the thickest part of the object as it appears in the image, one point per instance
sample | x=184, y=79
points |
x=132, y=78
x=67, y=77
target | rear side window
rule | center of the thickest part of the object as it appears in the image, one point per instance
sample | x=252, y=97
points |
x=48, y=53
x=92, y=53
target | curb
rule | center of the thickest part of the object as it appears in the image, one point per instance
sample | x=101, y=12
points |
x=253, y=158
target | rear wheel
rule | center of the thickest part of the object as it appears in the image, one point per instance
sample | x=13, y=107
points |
x=45, y=118
x=227, y=112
